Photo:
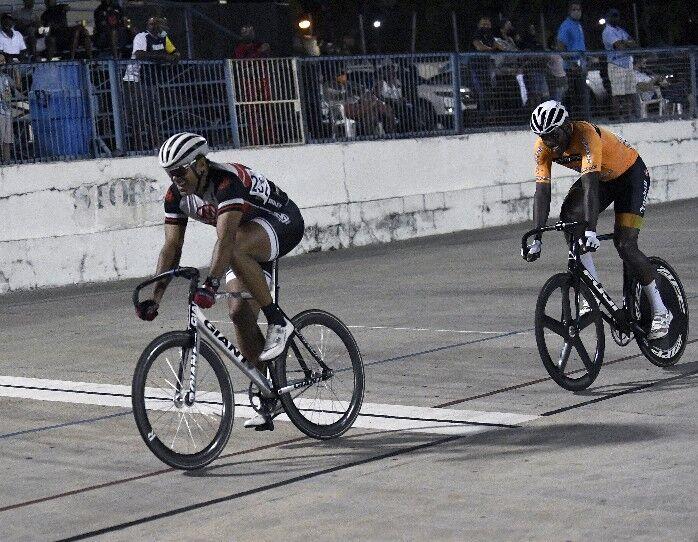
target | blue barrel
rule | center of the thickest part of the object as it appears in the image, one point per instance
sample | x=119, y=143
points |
x=59, y=111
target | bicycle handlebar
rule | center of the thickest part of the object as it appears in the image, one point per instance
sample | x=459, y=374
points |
x=191, y=273
x=560, y=226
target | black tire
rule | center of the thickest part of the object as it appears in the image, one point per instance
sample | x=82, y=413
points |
x=182, y=340
x=317, y=413
x=668, y=350
x=568, y=328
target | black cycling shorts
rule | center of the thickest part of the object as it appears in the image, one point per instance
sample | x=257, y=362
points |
x=628, y=193
x=285, y=230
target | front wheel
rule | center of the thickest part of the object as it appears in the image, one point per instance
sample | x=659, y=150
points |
x=182, y=433
x=327, y=408
x=668, y=350
x=571, y=346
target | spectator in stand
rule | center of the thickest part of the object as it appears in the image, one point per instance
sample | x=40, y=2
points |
x=558, y=76
x=570, y=38
x=11, y=42
x=141, y=92
x=62, y=37
x=249, y=47
x=482, y=67
x=7, y=89
x=620, y=65
x=109, y=20
x=535, y=68
x=27, y=23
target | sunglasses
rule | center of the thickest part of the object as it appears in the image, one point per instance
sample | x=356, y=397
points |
x=180, y=171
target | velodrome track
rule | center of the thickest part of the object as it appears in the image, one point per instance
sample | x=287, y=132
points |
x=444, y=323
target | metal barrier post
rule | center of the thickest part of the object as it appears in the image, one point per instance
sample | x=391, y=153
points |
x=694, y=101
x=189, y=28
x=299, y=111
x=115, y=86
x=586, y=98
x=230, y=91
x=88, y=89
x=457, y=107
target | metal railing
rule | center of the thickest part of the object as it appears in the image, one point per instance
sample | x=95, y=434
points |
x=70, y=110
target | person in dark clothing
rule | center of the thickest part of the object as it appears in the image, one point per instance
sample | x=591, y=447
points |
x=62, y=37
x=108, y=23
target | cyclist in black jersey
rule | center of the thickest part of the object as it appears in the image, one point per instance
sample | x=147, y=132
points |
x=256, y=223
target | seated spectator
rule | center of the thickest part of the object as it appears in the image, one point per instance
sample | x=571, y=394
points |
x=11, y=42
x=109, y=20
x=249, y=47
x=620, y=65
x=7, y=89
x=27, y=23
x=62, y=37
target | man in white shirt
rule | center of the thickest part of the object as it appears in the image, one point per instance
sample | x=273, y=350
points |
x=11, y=42
x=620, y=64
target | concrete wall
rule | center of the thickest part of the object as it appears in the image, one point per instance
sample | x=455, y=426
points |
x=66, y=223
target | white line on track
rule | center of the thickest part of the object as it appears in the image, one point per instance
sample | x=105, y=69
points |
x=424, y=329
x=372, y=416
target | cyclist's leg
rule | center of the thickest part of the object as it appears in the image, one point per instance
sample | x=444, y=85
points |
x=252, y=245
x=243, y=314
x=630, y=199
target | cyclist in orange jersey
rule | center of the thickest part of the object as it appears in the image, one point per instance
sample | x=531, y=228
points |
x=611, y=172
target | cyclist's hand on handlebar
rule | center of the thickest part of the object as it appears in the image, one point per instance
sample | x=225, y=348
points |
x=147, y=310
x=589, y=242
x=532, y=252
x=205, y=296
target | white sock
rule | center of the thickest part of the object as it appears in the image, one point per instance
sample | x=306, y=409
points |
x=588, y=262
x=652, y=293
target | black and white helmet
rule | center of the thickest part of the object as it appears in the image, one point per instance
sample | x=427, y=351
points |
x=182, y=149
x=548, y=116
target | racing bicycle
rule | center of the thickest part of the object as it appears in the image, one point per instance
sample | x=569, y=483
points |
x=182, y=395
x=571, y=341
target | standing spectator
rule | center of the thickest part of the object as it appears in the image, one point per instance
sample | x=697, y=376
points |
x=249, y=47
x=27, y=23
x=570, y=38
x=62, y=37
x=481, y=66
x=535, y=67
x=620, y=65
x=108, y=21
x=7, y=88
x=11, y=42
x=140, y=91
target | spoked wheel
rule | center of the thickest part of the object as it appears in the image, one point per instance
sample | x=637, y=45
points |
x=571, y=347
x=669, y=349
x=328, y=408
x=182, y=433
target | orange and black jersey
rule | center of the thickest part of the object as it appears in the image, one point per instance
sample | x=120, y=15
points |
x=591, y=148
x=230, y=187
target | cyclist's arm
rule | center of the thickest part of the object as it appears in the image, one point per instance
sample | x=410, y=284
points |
x=541, y=205
x=169, y=255
x=591, y=175
x=541, y=199
x=226, y=229
x=590, y=183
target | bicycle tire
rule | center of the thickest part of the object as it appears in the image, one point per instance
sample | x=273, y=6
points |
x=667, y=351
x=181, y=339
x=563, y=281
x=300, y=410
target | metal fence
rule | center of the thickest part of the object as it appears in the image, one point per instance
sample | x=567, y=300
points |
x=70, y=110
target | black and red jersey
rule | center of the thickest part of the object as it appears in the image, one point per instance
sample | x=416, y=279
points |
x=230, y=187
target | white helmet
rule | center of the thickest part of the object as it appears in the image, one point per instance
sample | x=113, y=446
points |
x=548, y=116
x=182, y=149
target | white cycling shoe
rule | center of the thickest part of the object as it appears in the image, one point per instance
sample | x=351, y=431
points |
x=584, y=307
x=264, y=421
x=277, y=337
x=660, y=325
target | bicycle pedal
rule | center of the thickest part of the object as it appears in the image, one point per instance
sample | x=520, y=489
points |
x=266, y=426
